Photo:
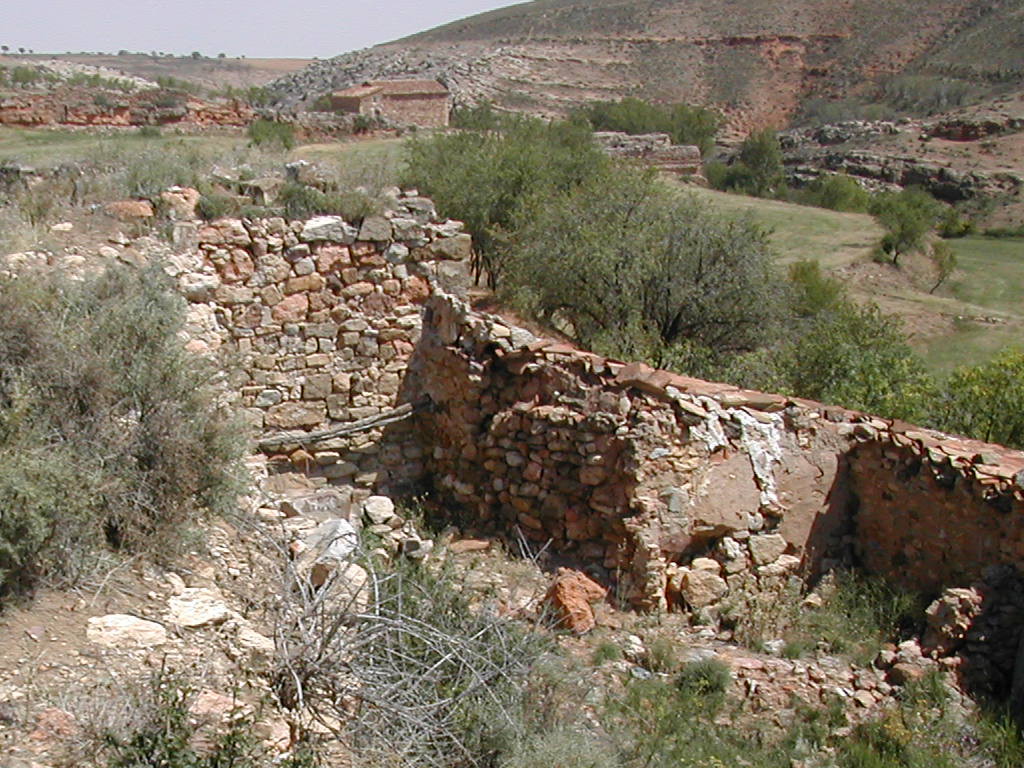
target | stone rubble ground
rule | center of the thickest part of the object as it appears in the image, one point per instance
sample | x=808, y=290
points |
x=197, y=618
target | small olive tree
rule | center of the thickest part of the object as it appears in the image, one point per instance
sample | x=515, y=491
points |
x=908, y=216
x=622, y=262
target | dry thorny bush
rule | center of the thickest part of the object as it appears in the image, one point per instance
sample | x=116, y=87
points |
x=402, y=668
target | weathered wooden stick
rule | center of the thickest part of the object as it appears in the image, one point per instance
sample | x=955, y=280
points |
x=400, y=413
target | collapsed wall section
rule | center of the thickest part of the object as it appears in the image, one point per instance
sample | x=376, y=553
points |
x=679, y=491
x=684, y=491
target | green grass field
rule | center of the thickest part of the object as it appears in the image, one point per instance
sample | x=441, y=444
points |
x=990, y=273
x=989, y=283
x=802, y=232
x=984, y=299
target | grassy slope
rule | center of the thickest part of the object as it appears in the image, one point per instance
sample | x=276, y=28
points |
x=989, y=282
x=802, y=232
x=39, y=147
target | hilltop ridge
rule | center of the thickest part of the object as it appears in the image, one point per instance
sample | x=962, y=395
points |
x=759, y=62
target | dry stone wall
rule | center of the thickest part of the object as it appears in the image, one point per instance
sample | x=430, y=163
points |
x=677, y=491
x=319, y=320
x=691, y=493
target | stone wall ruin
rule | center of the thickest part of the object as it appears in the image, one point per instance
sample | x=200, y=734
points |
x=681, y=492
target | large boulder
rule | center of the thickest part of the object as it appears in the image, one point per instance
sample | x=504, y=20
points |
x=570, y=597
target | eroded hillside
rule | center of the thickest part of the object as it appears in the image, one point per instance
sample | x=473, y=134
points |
x=756, y=61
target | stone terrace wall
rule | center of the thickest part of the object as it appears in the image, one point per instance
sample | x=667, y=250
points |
x=936, y=510
x=320, y=319
x=690, y=492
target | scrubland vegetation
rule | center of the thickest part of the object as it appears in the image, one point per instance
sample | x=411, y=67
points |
x=110, y=433
x=424, y=678
x=610, y=256
x=106, y=422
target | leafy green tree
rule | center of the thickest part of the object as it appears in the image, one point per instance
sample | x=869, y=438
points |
x=625, y=266
x=908, y=216
x=944, y=259
x=484, y=177
x=986, y=401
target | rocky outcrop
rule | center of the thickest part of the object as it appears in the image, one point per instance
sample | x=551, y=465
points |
x=654, y=149
x=974, y=127
x=880, y=171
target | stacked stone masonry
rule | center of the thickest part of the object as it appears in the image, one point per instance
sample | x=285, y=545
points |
x=688, y=491
x=679, y=492
x=319, y=320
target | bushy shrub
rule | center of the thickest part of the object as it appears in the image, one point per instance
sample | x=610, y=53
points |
x=839, y=192
x=215, y=204
x=812, y=291
x=109, y=431
x=301, y=201
x=985, y=401
x=710, y=677
x=622, y=263
x=857, y=357
x=954, y=223
x=363, y=124
x=756, y=170
x=485, y=178
x=271, y=133
x=415, y=676
x=163, y=736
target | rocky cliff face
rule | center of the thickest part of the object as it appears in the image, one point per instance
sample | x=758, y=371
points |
x=81, y=107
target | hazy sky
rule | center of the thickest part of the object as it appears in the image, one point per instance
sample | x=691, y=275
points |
x=275, y=28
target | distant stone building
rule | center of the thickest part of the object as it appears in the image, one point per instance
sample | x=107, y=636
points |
x=425, y=103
